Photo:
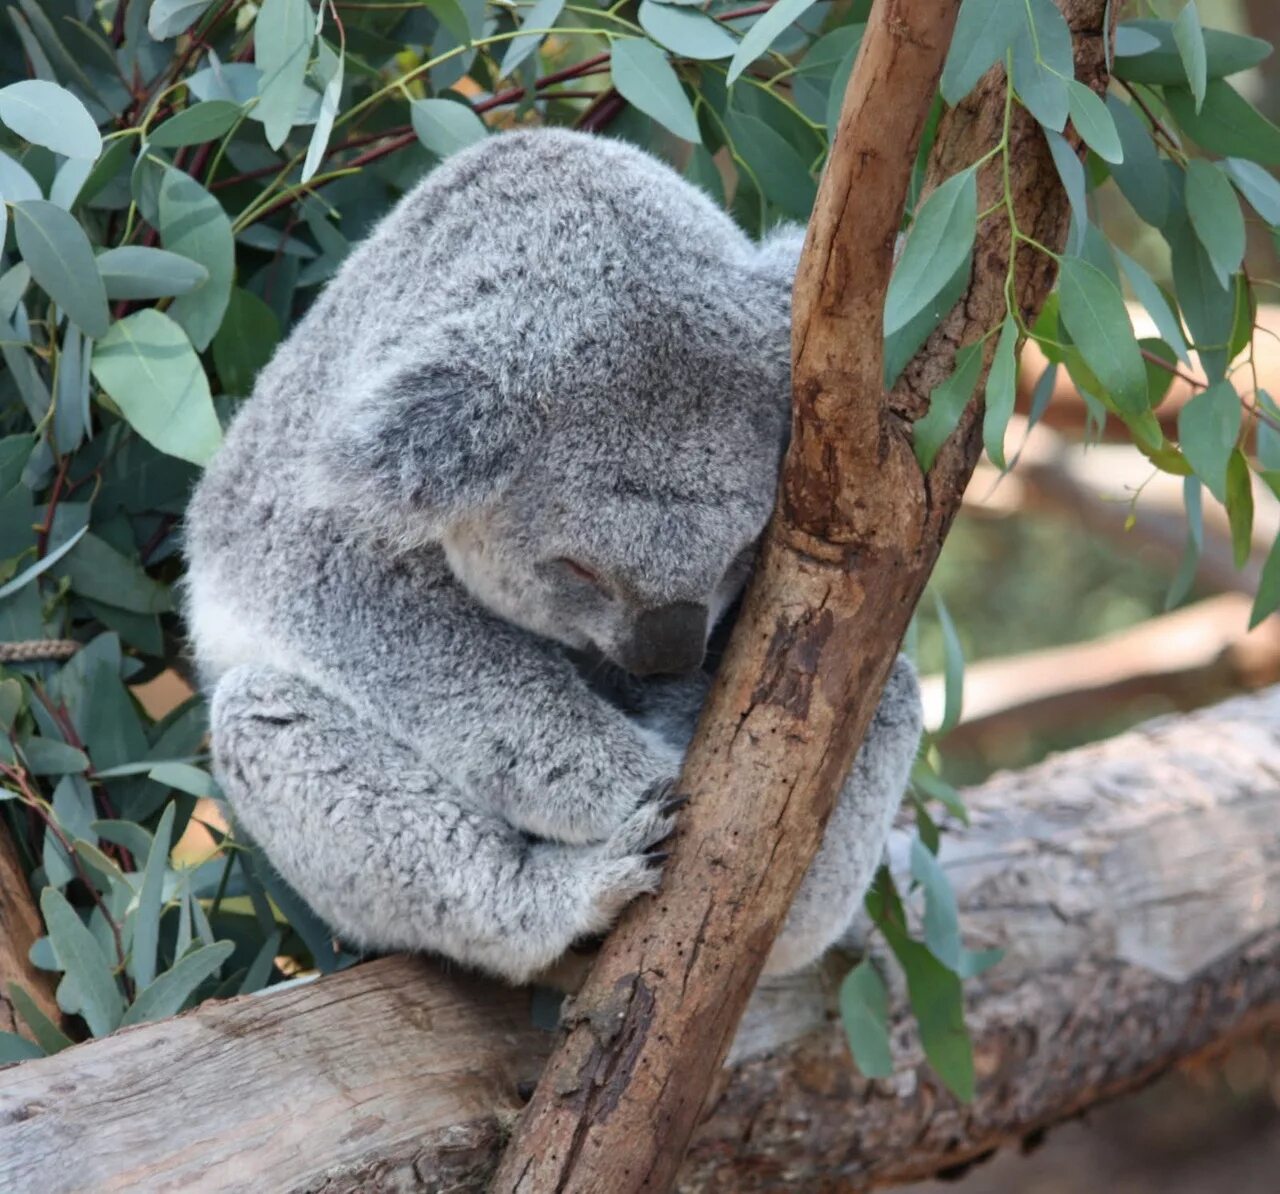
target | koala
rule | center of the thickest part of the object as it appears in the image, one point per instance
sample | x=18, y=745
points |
x=453, y=573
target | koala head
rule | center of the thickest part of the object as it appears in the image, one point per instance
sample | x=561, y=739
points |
x=594, y=435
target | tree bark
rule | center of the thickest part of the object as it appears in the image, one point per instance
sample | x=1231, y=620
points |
x=19, y=927
x=1135, y=886
x=847, y=554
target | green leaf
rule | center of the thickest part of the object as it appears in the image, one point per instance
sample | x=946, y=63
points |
x=193, y=223
x=445, y=127
x=936, y=995
x=245, y=341
x=1258, y=186
x=1240, y=507
x=46, y=114
x=1071, y=173
x=1226, y=124
x=1043, y=63
x=16, y=182
x=17, y=1048
x=1002, y=391
x=764, y=33
x=137, y=272
x=186, y=778
x=58, y=253
x=79, y=955
x=96, y=570
x=1216, y=217
x=953, y=663
x=1140, y=176
x=450, y=15
x=1093, y=311
x=1207, y=306
x=646, y=79
x=1158, y=306
x=782, y=175
x=946, y=404
x=686, y=31
x=939, y=241
x=329, y=71
x=282, y=37
x=1189, y=38
x=28, y=574
x=153, y=375
x=204, y=121
x=146, y=925
x=260, y=968
x=1208, y=427
x=1093, y=122
x=864, y=1011
x=542, y=16
x=48, y=1035
x=1268, y=599
x=985, y=29
x=168, y=994
x=168, y=18
x=47, y=756
x=941, y=916
x=1225, y=54
x=903, y=344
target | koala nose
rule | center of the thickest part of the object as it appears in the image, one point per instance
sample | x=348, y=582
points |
x=668, y=640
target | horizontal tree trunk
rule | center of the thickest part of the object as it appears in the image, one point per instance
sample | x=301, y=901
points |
x=1135, y=886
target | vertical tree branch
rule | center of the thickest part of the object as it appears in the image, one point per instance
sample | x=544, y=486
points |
x=19, y=927
x=844, y=561
x=819, y=629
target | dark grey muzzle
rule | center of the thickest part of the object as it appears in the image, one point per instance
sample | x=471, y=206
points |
x=668, y=640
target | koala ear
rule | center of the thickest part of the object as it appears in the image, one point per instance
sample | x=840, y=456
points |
x=423, y=444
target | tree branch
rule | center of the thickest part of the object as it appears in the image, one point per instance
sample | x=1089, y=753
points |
x=844, y=561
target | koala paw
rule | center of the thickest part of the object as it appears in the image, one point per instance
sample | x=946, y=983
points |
x=611, y=874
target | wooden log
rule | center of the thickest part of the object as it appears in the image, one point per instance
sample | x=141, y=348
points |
x=1135, y=886
x=19, y=927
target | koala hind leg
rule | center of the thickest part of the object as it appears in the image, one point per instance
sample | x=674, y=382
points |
x=391, y=854
x=831, y=893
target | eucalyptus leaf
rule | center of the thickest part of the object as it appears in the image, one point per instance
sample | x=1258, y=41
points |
x=1260, y=187
x=60, y=258
x=940, y=239
x=193, y=224
x=445, y=127
x=1163, y=63
x=764, y=33
x=541, y=17
x=16, y=182
x=282, y=37
x=1188, y=36
x=1215, y=216
x=147, y=365
x=1001, y=393
x=79, y=955
x=686, y=31
x=645, y=78
x=864, y=1011
x=1208, y=426
x=985, y=30
x=138, y=272
x=146, y=924
x=1139, y=175
x=1226, y=123
x=169, y=993
x=49, y=115
x=946, y=404
x=204, y=121
x=168, y=18
x=50, y=1038
x=1044, y=63
x=1093, y=122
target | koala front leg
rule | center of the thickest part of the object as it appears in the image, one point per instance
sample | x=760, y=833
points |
x=853, y=845
x=389, y=853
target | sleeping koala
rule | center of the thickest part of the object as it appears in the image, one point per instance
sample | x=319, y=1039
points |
x=453, y=573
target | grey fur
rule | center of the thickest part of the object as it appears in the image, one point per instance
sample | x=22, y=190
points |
x=551, y=350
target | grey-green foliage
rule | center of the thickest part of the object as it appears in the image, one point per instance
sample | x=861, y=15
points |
x=179, y=178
